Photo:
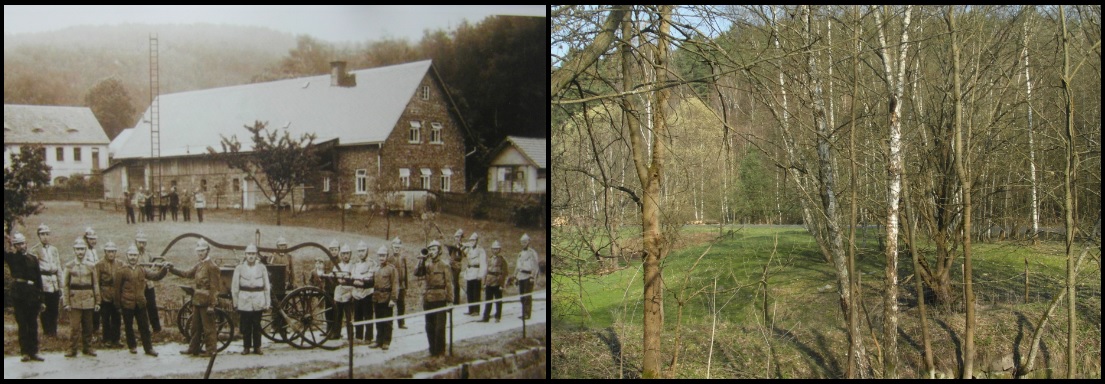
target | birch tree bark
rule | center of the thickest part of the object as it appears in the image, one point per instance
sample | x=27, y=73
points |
x=894, y=85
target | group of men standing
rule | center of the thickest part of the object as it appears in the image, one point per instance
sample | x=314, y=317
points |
x=95, y=290
x=92, y=290
x=147, y=203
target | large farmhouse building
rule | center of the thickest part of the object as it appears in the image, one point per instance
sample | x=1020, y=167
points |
x=74, y=141
x=385, y=134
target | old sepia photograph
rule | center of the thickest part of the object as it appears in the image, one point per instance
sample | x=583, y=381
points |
x=275, y=192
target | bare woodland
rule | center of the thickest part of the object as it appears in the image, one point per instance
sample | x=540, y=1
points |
x=941, y=125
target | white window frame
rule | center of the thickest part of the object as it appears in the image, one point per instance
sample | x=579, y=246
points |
x=326, y=184
x=60, y=154
x=362, y=181
x=76, y=154
x=425, y=179
x=425, y=92
x=435, y=133
x=415, y=136
x=404, y=177
x=446, y=179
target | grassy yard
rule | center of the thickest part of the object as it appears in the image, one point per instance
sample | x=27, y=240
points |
x=806, y=331
x=68, y=220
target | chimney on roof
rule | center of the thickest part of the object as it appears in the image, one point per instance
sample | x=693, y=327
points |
x=338, y=76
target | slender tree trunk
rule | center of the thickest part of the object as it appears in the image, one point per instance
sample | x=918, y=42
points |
x=651, y=177
x=911, y=231
x=1031, y=143
x=962, y=167
x=853, y=312
x=1068, y=200
x=894, y=185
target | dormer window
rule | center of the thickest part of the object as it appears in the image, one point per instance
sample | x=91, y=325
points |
x=416, y=133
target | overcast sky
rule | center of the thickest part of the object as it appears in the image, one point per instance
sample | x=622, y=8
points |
x=331, y=23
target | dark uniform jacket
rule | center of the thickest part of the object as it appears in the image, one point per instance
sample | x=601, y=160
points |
x=439, y=280
x=400, y=264
x=27, y=287
x=496, y=272
x=387, y=284
x=130, y=285
x=106, y=271
x=207, y=283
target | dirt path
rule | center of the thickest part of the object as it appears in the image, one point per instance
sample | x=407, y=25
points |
x=279, y=360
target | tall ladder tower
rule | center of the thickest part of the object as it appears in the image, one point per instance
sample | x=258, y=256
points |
x=155, y=115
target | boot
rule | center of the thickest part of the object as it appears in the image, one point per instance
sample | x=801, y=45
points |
x=72, y=353
x=88, y=352
x=257, y=351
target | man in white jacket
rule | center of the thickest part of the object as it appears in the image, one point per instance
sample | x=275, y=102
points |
x=475, y=268
x=250, y=289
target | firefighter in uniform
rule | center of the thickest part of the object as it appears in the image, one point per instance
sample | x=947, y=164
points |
x=398, y=261
x=207, y=285
x=343, y=292
x=109, y=311
x=282, y=258
x=456, y=256
x=363, y=271
x=387, y=288
x=80, y=298
x=475, y=269
x=130, y=288
x=436, y=294
x=151, y=294
x=526, y=270
x=493, y=282
x=26, y=293
x=49, y=264
x=251, y=291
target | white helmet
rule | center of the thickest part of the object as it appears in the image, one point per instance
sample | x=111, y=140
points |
x=89, y=233
x=42, y=228
x=434, y=244
x=140, y=237
x=362, y=246
x=281, y=241
x=110, y=246
x=474, y=237
x=383, y=250
x=18, y=238
x=495, y=245
x=460, y=233
x=79, y=244
x=133, y=250
x=251, y=248
x=334, y=244
x=201, y=244
x=525, y=237
x=345, y=248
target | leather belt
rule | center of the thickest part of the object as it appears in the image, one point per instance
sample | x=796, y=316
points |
x=525, y=271
x=24, y=281
x=80, y=287
x=253, y=289
x=49, y=273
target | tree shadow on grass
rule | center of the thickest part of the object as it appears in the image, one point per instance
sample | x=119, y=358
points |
x=829, y=366
x=955, y=340
x=611, y=340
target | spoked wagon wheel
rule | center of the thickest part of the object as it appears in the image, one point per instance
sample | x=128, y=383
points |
x=223, y=328
x=273, y=325
x=308, y=325
x=182, y=320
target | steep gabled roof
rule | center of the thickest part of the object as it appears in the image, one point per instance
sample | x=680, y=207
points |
x=366, y=113
x=51, y=125
x=534, y=149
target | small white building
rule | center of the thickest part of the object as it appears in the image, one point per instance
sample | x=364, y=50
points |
x=73, y=139
x=518, y=166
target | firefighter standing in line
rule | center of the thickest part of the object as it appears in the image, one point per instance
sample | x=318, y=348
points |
x=130, y=285
x=252, y=291
x=363, y=272
x=398, y=261
x=206, y=285
x=80, y=298
x=151, y=294
x=436, y=294
x=49, y=264
x=387, y=287
x=26, y=295
x=475, y=269
x=494, y=281
x=526, y=270
x=109, y=311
